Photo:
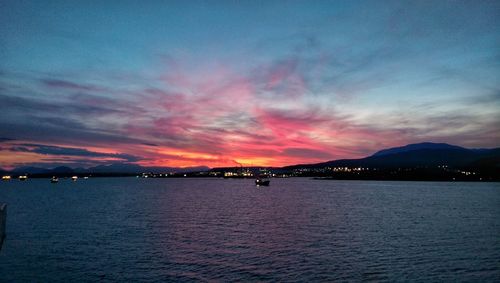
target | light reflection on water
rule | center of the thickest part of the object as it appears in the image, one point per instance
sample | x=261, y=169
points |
x=297, y=229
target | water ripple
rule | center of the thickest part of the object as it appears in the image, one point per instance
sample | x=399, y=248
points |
x=191, y=230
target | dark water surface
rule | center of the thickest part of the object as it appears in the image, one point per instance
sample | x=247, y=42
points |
x=121, y=229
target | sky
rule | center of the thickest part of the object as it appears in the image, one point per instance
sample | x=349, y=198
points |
x=257, y=83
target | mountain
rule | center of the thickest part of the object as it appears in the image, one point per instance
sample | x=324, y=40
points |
x=419, y=155
x=31, y=170
x=134, y=169
x=417, y=146
x=62, y=170
x=39, y=171
x=116, y=168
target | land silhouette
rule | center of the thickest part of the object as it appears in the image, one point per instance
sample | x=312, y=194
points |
x=421, y=161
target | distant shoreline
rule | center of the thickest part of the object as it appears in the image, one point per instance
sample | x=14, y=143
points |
x=406, y=180
x=319, y=178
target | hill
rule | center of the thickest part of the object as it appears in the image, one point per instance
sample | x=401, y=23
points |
x=111, y=169
x=418, y=155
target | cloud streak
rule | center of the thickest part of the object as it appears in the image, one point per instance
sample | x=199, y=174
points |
x=340, y=83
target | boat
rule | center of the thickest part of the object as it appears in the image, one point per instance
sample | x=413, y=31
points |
x=263, y=178
x=54, y=179
x=262, y=182
x=23, y=178
x=74, y=178
x=6, y=178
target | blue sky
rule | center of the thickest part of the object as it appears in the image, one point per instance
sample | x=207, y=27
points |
x=261, y=82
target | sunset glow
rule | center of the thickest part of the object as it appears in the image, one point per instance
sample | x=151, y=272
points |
x=257, y=84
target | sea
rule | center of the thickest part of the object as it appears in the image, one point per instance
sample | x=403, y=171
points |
x=222, y=230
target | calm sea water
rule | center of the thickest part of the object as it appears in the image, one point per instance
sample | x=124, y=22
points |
x=297, y=229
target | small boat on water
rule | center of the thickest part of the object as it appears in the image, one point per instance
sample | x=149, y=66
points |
x=74, y=178
x=23, y=178
x=6, y=178
x=262, y=182
x=263, y=178
x=54, y=179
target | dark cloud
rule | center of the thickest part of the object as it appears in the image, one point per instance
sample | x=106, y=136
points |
x=72, y=121
x=53, y=133
x=54, y=83
x=70, y=151
x=26, y=105
x=149, y=144
x=15, y=103
x=56, y=162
